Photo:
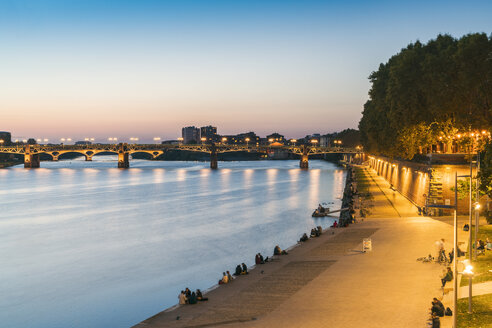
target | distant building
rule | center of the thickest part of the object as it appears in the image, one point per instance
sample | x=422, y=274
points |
x=253, y=139
x=6, y=138
x=190, y=134
x=210, y=133
x=275, y=137
x=83, y=143
x=325, y=140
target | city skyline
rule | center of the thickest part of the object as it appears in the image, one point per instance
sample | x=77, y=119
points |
x=148, y=68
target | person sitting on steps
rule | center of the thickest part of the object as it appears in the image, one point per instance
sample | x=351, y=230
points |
x=278, y=251
x=192, y=299
x=199, y=296
x=447, y=277
x=437, y=307
x=304, y=238
x=244, y=269
x=224, y=279
x=238, y=270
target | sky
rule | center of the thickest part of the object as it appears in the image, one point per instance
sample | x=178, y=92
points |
x=144, y=68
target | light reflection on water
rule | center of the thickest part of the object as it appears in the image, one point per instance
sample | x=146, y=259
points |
x=84, y=244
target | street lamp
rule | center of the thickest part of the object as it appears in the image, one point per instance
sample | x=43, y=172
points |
x=247, y=142
x=1, y=142
x=224, y=140
x=180, y=140
x=157, y=139
x=45, y=140
x=314, y=142
x=270, y=140
x=203, y=139
x=468, y=272
x=293, y=141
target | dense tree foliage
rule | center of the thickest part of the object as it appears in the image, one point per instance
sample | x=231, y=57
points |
x=429, y=92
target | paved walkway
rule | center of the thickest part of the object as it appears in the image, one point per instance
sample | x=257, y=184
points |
x=329, y=282
x=478, y=289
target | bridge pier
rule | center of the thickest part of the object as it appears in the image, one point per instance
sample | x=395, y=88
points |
x=123, y=156
x=31, y=160
x=55, y=158
x=304, y=163
x=88, y=158
x=213, y=157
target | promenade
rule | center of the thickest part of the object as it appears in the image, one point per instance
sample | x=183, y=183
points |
x=329, y=282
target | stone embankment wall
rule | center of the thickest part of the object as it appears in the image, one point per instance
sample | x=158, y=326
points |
x=347, y=200
x=413, y=180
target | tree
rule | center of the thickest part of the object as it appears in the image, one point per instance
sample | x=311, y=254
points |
x=427, y=93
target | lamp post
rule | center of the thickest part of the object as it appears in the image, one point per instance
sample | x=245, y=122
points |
x=293, y=141
x=477, y=205
x=468, y=272
x=203, y=139
x=247, y=142
x=224, y=140
x=180, y=140
x=314, y=142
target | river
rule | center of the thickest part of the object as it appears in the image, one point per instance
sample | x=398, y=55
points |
x=84, y=244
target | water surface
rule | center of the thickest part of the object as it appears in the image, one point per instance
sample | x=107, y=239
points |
x=84, y=244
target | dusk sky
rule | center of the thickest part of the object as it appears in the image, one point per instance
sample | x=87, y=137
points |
x=147, y=68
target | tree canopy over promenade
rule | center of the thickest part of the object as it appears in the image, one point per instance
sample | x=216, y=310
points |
x=430, y=93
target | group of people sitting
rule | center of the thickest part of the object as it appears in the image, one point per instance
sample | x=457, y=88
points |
x=315, y=232
x=259, y=259
x=278, y=251
x=241, y=269
x=188, y=297
x=483, y=245
x=437, y=311
x=226, y=278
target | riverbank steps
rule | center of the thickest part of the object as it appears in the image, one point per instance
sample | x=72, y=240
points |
x=329, y=282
